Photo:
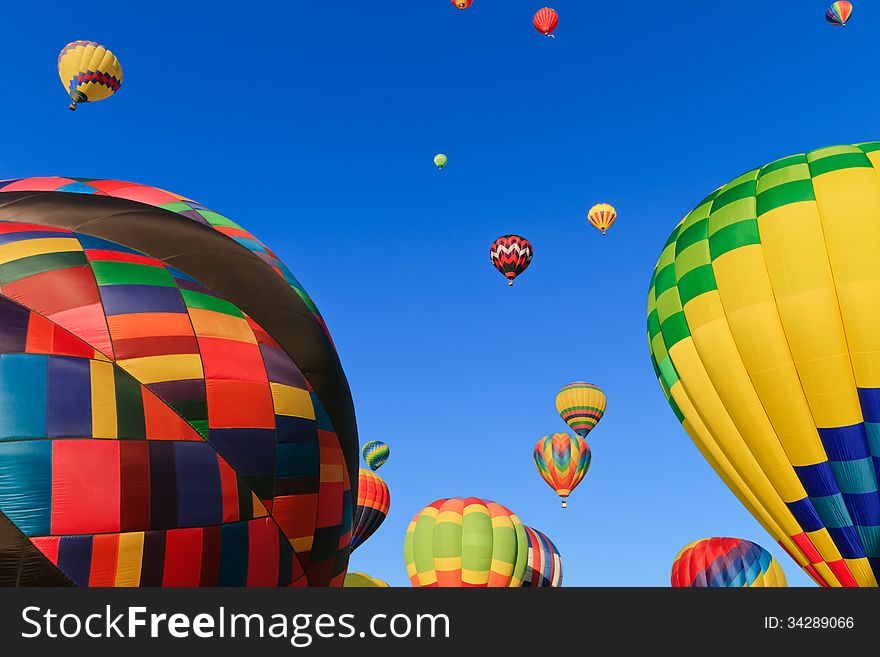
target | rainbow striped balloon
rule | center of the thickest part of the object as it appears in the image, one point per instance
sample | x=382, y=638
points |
x=544, y=568
x=726, y=563
x=375, y=454
x=839, y=13
x=466, y=542
x=562, y=460
x=581, y=405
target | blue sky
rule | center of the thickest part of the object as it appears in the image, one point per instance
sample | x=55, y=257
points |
x=314, y=125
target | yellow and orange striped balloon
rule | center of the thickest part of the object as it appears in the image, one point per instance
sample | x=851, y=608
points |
x=602, y=216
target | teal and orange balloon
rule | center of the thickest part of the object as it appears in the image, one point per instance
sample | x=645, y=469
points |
x=563, y=461
x=726, y=563
x=375, y=454
x=581, y=405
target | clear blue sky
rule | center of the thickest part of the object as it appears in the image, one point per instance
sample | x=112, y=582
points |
x=314, y=125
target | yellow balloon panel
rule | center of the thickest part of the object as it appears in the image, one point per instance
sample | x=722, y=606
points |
x=764, y=331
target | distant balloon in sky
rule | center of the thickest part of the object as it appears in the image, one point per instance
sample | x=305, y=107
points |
x=511, y=255
x=440, y=160
x=581, y=405
x=726, y=563
x=373, y=502
x=462, y=4
x=602, y=216
x=839, y=13
x=375, y=454
x=466, y=542
x=363, y=581
x=546, y=21
x=89, y=72
x=544, y=569
x=562, y=461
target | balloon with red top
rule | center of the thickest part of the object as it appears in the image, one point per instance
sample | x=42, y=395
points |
x=546, y=21
x=462, y=4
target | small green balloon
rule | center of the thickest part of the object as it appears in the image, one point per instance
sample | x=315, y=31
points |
x=440, y=160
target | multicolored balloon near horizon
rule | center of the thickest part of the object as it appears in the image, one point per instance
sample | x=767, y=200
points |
x=546, y=21
x=763, y=333
x=440, y=161
x=726, y=563
x=462, y=4
x=581, y=405
x=839, y=13
x=363, y=581
x=562, y=461
x=511, y=255
x=602, y=216
x=466, y=542
x=89, y=72
x=373, y=502
x=544, y=569
x=375, y=454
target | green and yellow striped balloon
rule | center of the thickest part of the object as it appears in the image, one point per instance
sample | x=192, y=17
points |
x=466, y=542
x=764, y=333
x=375, y=454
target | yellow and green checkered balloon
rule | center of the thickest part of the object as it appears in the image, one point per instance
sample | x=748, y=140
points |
x=764, y=332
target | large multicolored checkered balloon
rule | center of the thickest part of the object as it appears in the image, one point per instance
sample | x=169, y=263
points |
x=764, y=334
x=726, y=563
x=172, y=410
x=466, y=542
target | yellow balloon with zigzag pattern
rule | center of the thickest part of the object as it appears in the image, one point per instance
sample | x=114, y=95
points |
x=89, y=72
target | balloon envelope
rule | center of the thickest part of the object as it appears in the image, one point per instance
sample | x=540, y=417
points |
x=462, y=4
x=602, y=216
x=375, y=454
x=88, y=71
x=175, y=424
x=839, y=13
x=372, y=507
x=581, y=405
x=544, y=569
x=363, y=581
x=726, y=563
x=466, y=542
x=511, y=255
x=546, y=21
x=440, y=160
x=562, y=461
x=763, y=332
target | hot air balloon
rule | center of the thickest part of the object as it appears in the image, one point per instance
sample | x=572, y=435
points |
x=375, y=454
x=511, y=255
x=89, y=72
x=839, y=13
x=581, y=405
x=726, y=563
x=466, y=542
x=602, y=216
x=363, y=581
x=562, y=460
x=373, y=501
x=440, y=161
x=763, y=332
x=462, y=4
x=546, y=21
x=174, y=413
x=544, y=569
